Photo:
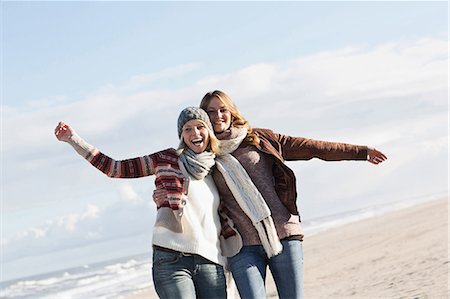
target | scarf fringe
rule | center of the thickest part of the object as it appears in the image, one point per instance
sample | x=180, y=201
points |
x=268, y=236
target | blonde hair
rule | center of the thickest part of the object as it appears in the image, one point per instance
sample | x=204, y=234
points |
x=237, y=119
x=213, y=144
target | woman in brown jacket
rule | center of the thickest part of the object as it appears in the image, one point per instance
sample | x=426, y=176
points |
x=262, y=153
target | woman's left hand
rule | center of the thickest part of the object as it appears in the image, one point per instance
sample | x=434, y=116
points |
x=375, y=156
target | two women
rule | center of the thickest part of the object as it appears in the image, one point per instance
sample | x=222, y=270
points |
x=187, y=262
x=258, y=212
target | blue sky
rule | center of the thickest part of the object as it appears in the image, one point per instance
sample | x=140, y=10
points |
x=372, y=73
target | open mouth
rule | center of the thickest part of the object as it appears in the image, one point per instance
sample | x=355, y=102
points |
x=197, y=142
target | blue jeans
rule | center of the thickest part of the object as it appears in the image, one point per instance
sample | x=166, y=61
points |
x=187, y=276
x=249, y=271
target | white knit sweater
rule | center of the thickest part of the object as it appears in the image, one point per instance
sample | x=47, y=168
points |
x=200, y=222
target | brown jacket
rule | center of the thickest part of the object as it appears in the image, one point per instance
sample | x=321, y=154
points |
x=287, y=148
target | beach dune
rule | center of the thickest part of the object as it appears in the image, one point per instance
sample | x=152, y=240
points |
x=402, y=254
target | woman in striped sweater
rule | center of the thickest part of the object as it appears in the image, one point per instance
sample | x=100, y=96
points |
x=187, y=262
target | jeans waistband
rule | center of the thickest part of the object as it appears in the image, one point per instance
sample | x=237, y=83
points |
x=170, y=250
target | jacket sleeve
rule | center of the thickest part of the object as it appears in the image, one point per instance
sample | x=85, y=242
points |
x=129, y=168
x=300, y=148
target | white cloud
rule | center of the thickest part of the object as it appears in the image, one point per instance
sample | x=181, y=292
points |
x=128, y=194
x=70, y=222
x=93, y=225
x=143, y=80
x=254, y=80
x=66, y=224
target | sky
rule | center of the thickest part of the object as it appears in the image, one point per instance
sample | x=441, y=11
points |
x=369, y=73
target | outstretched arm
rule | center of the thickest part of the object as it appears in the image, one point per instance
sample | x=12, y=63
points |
x=130, y=168
x=300, y=148
x=65, y=133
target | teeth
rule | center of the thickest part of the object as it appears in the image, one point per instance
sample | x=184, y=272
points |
x=195, y=141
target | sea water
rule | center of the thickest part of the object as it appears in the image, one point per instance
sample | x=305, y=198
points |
x=111, y=279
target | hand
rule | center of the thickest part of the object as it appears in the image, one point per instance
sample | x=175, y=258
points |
x=63, y=131
x=375, y=156
x=159, y=197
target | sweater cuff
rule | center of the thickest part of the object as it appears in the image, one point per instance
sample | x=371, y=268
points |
x=83, y=148
x=366, y=153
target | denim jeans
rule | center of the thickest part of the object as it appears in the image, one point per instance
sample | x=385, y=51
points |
x=186, y=276
x=249, y=271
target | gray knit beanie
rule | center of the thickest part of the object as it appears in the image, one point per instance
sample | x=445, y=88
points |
x=190, y=113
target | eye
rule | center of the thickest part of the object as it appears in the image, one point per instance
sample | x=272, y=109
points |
x=223, y=110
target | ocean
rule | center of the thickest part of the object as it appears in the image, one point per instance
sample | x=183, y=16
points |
x=110, y=279
x=121, y=277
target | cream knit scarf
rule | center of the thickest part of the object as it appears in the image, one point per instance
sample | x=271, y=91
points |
x=246, y=194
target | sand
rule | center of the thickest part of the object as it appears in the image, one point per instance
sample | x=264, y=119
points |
x=402, y=254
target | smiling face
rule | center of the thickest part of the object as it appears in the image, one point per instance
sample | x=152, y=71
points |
x=195, y=135
x=219, y=115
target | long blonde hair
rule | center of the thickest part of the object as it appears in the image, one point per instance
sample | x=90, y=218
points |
x=237, y=120
x=213, y=144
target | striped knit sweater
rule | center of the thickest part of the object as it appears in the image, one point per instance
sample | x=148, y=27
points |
x=164, y=165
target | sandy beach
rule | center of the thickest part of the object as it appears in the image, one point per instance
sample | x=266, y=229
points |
x=402, y=254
